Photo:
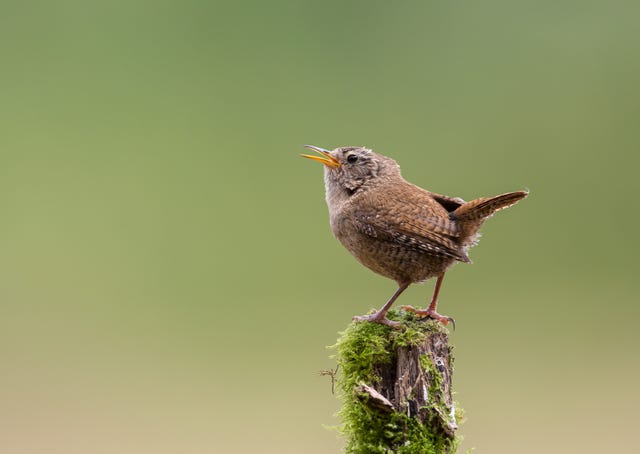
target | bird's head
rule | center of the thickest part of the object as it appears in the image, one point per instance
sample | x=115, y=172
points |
x=351, y=169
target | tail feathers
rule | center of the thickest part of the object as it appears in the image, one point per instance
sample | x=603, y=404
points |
x=482, y=208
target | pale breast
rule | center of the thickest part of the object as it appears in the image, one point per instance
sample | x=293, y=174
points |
x=389, y=259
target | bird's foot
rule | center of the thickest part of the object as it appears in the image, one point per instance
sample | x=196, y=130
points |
x=444, y=319
x=377, y=317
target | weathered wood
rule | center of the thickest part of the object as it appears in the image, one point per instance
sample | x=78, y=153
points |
x=396, y=388
x=418, y=382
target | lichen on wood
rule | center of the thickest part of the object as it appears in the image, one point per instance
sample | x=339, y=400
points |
x=395, y=385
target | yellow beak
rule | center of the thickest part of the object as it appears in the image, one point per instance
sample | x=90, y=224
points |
x=326, y=157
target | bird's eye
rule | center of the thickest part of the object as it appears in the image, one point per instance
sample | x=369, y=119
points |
x=352, y=158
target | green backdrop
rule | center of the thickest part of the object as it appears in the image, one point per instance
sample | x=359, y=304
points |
x=168, y=280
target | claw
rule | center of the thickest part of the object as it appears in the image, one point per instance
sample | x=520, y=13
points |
x=453, y=322
x=444, y=319
x=377, y=318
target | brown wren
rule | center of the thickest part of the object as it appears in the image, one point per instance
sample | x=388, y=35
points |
x=398, y=229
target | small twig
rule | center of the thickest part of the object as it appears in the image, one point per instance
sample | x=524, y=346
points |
x=331, y=373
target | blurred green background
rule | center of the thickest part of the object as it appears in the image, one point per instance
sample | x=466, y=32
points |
x=168, y=280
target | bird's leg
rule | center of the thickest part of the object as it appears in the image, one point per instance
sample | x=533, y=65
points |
x=381, y=315
x=431, y=310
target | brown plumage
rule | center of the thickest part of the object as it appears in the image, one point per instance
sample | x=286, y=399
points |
x=395, y=228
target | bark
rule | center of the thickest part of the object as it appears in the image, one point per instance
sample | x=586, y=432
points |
x=396, y=388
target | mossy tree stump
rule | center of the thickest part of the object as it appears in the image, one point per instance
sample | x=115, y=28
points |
x=395, y=385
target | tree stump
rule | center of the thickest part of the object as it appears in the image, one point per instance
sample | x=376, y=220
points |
x=395, y=385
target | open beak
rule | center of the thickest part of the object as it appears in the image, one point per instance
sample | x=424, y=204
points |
x=326, y=157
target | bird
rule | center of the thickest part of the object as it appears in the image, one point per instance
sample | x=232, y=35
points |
x=397, y=229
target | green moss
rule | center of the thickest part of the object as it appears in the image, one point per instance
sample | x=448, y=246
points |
x=434, y=373
x=459, y=413
x=359, y=349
